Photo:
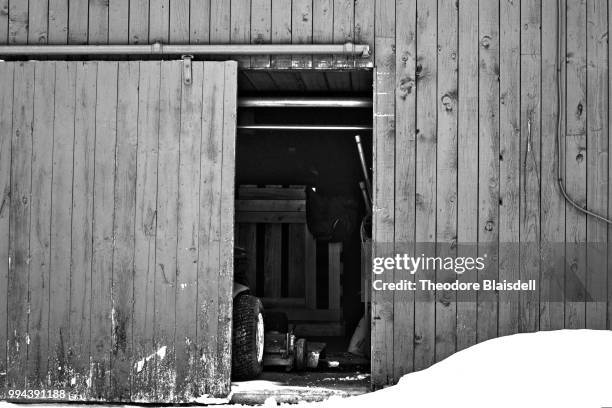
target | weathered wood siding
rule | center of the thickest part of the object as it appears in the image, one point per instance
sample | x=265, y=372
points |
x=457, y=85
x=470, y=146
x=116, y=234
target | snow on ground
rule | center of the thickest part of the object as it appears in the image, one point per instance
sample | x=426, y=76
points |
x=565, y=368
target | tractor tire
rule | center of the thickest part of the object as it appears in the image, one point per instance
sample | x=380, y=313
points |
x=248, y=337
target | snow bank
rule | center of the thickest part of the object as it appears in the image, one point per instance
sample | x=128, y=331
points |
x=565, y=368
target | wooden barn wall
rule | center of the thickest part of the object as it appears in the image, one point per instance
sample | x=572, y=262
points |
x=457, y=85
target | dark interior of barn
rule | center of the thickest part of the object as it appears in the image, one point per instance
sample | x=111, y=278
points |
x=281, y=153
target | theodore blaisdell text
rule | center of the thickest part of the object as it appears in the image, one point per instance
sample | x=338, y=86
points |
x=401, y=264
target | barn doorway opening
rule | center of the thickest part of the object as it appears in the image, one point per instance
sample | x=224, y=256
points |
x=301, y=202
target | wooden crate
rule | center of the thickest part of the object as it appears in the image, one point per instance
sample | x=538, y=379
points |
x=269, y=208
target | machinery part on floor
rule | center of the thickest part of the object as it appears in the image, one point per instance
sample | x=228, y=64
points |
x=248, y=337
x=564, y=192
x=281, y=347
x=159, y=49
x=303, y=102
x=314, y=352
x=300, y=354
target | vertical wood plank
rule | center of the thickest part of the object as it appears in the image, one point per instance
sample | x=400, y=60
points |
x=509, y=162
x=61, y=218
x=364, y=24
x=344, y=21
x=384, y=188
x=467, y=193
x=139, y=22
x=103, y=213
x=82, y=222
x=187, y=298
x=488, y=163
x=281, y=30
x=4, y=21
x=19, y=225
x=18, y=22
x=143, y=374
x=552, y=205
x=446, y=188
x=405, y=166
x=167, y=224
x=609, y=322
x=261, y=29
x=199, y=22
x=323, y=29
x=334, y=275
x=240, y=27
x=575, y=164
x=58, y=21
x=295, y=253
x=272, y=260
x=118, y=22
x=38, y=21
x=78, y=19
x=98, y=21
x=247, y=239
x=40, y=224
x=301, y=31
x=310, y=270
x=159, y=21
x=220, y=21
x=226, y=269
x=597, y=161
x=179, y=21
x=209, y=226
x=123, y=230
x=6, y=132
x=425, y=229
x=530, y=162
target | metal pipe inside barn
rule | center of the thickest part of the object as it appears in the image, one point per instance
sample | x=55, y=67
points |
x=304, y=127
x=159, y=49
x=305, y=102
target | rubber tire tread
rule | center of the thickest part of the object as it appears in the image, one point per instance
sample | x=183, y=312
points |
x=244, y=340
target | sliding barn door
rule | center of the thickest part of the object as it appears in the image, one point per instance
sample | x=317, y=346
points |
x=116, y=230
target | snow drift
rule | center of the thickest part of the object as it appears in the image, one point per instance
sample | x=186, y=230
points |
x=565, y=368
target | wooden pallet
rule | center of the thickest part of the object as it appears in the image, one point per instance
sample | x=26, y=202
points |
x=268, y=208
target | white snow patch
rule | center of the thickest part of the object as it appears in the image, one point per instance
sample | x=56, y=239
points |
x=564, y=368
x=348, y=378
x=161, y=353
x=207, y=400
x=256, y=385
